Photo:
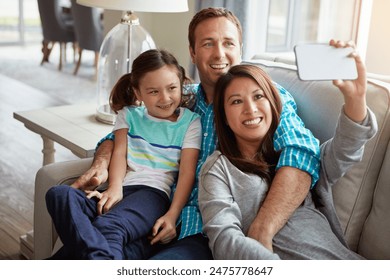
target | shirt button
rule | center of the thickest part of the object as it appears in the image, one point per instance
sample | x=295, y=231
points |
x=205, y=134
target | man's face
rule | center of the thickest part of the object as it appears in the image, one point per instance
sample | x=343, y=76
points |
x=217, y=48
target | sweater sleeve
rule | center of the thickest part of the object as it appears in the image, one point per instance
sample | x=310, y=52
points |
x=222, y=219
x=346, y=147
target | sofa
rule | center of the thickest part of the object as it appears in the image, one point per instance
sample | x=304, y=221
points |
x=361, y=197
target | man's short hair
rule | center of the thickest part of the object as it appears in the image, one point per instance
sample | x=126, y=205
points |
x=208, y=13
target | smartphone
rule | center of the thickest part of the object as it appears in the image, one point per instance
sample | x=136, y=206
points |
x=321, y=62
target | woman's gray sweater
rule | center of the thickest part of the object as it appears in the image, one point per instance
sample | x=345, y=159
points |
x=229, y=201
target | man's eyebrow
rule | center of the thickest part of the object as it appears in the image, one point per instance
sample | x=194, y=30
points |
x=207, y=39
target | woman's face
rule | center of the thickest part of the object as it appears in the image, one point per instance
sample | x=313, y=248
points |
x=248, y=113
x=160, y=91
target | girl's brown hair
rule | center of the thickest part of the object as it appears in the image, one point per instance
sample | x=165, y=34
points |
x=264, y=162
x=123, y=94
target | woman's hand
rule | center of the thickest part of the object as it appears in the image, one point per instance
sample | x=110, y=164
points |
x=354, y=91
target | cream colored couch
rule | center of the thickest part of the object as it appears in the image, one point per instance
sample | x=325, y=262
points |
x=362, y=196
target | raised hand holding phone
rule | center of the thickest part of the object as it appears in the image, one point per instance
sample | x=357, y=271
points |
x=316, y=62
x=354, y=91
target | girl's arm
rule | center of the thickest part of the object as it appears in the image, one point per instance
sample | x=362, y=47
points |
x=116, y=173
x=164, y=230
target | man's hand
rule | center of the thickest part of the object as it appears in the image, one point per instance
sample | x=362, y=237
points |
x=94, y=177
x=98, y=172
x=257, y=232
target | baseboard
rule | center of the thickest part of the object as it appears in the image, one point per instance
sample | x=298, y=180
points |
x=27, y=245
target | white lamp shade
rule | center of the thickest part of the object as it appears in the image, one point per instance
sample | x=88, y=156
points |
x=159, y=6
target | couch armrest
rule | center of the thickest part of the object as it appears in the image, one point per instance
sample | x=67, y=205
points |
x=48, y=176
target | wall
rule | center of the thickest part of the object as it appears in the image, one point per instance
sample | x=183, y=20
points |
x=170, y=32
x=378, y=54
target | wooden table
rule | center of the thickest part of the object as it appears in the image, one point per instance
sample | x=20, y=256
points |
x=72, y=126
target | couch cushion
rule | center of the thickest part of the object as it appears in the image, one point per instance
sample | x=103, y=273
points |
x=319, y=105
x=375, y=240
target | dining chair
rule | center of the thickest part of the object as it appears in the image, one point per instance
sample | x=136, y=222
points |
x=57, y=26
x=88, y=27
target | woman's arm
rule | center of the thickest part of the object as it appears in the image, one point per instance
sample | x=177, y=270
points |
x=164, y=230
x=356, y=124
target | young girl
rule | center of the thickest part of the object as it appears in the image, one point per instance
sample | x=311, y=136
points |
x=235, y=180
x=151, y=142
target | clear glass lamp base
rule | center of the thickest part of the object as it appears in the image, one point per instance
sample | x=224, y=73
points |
x=105, y=114
x=119, y=48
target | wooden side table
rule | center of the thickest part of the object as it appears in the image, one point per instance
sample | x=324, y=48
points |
x=72, y=126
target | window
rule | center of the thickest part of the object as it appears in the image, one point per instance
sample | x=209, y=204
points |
x=302, y=21
x=19, y=22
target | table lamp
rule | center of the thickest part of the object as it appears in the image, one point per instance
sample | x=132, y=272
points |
x=123, y=44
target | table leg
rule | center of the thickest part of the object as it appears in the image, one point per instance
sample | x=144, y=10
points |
x=48, y=150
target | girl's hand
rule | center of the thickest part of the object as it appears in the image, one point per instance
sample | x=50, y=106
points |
x=164, y=230
x=107, y=199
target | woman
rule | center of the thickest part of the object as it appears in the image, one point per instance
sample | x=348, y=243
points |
x=235, y=179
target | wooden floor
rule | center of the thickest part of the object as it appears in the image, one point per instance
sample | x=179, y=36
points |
x=20, y=159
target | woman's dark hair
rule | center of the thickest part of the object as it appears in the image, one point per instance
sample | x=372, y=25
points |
x=264, y=163
x=123, y=94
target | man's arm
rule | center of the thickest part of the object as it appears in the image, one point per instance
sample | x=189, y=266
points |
x=288, y=190
x=98, y=172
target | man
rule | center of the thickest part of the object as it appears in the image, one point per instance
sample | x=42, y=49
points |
x=215, y=38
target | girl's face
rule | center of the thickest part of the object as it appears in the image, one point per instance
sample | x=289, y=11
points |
x=248, y=113
x=160, y=91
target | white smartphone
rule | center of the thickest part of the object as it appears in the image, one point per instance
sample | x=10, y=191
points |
x=323, y=62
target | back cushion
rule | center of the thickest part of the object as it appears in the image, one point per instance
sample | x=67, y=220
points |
x=319, y=104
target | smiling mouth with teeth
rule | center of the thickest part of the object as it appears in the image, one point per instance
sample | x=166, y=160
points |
x=219, y=66
x=165, y=106
x=253, y=121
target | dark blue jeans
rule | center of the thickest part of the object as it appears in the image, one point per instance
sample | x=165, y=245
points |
x=86, y=235
x=194, y=247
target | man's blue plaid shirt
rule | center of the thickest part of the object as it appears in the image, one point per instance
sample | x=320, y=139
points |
x=299, y=148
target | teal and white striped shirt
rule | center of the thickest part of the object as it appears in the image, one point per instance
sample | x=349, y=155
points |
x=154, y=145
